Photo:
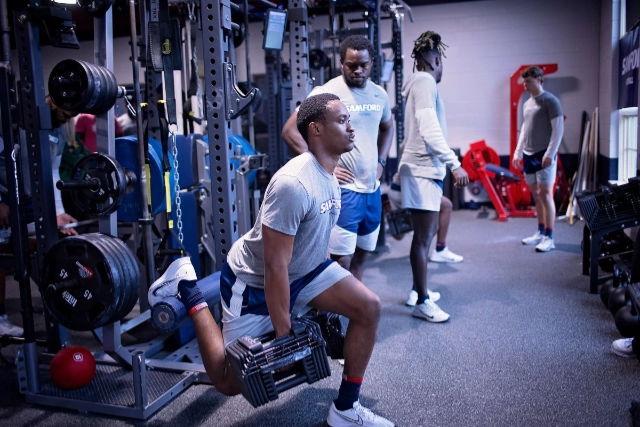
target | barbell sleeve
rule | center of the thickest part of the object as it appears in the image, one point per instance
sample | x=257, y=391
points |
x=54, y=288
x=91, y=184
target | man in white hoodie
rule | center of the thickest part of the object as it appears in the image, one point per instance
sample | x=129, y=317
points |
x=423, y=163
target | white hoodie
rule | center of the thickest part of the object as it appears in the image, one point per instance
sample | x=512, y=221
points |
x=425, y=151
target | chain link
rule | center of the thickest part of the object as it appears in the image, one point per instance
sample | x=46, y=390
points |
x=177, y=186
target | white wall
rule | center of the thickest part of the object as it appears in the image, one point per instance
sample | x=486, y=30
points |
x=489, y=40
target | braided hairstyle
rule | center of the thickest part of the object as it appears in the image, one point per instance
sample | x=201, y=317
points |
x=429, y=41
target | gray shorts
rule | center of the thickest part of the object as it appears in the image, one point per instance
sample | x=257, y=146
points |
x=420, y=193
x=543, y=176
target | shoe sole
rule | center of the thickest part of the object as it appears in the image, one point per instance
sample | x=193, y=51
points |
x=446, y=261
x=622, y=353
x=545, y=250
x=423, y=316
x=532, y=243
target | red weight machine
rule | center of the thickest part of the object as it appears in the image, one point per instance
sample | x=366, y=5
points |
x=507, y=190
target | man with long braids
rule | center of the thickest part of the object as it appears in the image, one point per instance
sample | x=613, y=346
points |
x=423, y=162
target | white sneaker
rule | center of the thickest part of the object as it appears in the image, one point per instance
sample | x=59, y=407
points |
x=356, y=416
x=430, y=312
x=533, y=240
x=167, y=284
x=623, y=347
x=8, y=328
x=545, y=245
x=445, y=255
x=413, y=297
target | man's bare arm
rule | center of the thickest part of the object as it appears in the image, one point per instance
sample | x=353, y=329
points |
x=292, y=137
x=278, y=249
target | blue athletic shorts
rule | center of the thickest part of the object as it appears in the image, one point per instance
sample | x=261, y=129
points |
x=358, y=224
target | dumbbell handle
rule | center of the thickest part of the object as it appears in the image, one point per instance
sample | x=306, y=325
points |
x=91, y=184
x=54, y=288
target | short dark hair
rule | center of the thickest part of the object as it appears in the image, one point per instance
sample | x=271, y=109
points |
x=356, y=43
x=534, y=72
x=313, y=109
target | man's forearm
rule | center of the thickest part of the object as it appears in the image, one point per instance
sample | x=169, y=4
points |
x=296, y=143
x=292, y=137
x=276, y=290
x=385, y=138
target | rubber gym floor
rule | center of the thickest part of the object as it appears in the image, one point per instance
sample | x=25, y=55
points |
x=526, y=345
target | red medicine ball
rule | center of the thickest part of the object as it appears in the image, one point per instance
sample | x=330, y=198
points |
x=72, y=367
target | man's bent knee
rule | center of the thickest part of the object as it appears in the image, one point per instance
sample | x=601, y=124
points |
x=368, y=311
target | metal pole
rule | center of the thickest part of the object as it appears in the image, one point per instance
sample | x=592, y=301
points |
x=139, y=378
x=252, y=134
x=15, y=188
x=146, y=221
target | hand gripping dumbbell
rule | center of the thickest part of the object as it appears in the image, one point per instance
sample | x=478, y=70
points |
x=258, y=362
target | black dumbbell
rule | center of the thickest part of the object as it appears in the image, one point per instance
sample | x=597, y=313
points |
x=262, y=364
x=332, y=331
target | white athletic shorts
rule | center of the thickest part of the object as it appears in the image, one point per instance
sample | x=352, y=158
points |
x=420, y=193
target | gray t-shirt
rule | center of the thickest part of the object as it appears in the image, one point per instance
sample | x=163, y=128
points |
x=538, y=113
x=368, y=106
x=302, y=200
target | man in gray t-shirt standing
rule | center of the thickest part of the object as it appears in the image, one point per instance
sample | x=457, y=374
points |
x=538, y=145
x=359, y=170
x=280, y=266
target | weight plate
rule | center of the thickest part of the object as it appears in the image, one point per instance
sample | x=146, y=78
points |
x=114, y=257
x=92, y=303
x=69, y=85
x=131, y=286
x=127, y=154
x=112, y=189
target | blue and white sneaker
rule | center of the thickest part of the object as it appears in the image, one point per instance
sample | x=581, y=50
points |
x=167, y=284
x=356, y=416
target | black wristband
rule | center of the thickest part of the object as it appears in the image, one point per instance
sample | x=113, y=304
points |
x=382, y=161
